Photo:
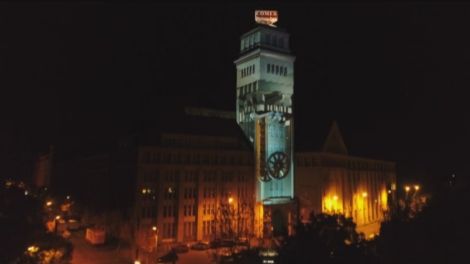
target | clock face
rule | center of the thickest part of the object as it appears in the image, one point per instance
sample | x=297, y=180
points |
x=278, y=165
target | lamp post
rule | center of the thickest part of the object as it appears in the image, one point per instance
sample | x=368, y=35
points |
x=155, y=232
x=56, y=220
x=230, y=214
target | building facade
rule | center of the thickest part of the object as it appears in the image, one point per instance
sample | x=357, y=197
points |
x=193, y=187
x=333, y=182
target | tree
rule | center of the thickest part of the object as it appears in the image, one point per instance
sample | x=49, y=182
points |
x=326, y=239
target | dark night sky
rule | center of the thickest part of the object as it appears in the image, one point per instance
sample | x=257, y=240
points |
x=394, y=76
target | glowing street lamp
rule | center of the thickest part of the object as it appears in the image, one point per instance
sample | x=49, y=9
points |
x=230, y=200
x=33, y=249
x=48, y=203
x=417, y=187
x=364, y=194
x=407, y=188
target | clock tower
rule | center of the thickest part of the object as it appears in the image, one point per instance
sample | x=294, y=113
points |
x=265, y=85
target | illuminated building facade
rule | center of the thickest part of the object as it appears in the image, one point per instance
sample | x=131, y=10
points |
x=265, y=85
x=333, y=182
x=196, y=186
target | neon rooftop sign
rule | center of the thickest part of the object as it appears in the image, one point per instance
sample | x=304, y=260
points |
x=266, y=17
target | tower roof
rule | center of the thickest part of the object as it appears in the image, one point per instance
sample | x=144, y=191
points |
x=334, y=142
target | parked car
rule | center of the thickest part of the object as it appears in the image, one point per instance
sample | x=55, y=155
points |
x=225, y=255
x=170, y=257
x=199, y=246
x=180, y=248
x=73, y=224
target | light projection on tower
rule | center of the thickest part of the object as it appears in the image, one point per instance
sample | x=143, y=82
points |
x=265, y=85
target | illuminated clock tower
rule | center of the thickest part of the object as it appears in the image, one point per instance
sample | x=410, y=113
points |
x=265, y=85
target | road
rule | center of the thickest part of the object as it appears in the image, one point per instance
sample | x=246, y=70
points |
x=85, y=253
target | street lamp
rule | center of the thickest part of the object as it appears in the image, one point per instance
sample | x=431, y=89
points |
x=417, y=187
x=230, y=200
x=155, y=231
x=56, y=219
x=407, y=188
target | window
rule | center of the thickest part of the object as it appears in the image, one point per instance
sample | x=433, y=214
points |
x=269, y=68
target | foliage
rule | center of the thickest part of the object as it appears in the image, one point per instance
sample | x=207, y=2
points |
x=438, y=234
x=326, y=239
x=51, y=249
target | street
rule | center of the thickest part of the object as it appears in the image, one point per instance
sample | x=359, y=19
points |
x=85, y=253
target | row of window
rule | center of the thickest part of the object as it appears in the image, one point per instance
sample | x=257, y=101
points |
x=169, y=230
x=249, y=70
x=149, y=212
x=209, y=192
x=169, y=210
x=247, y=88
x=253, y=40
x=276, y=69
x=194, y=158
x=353, y=165
x=190, y=210
x=208, y=209
x=170, y=193
x=208, y=227
x=190, y=193
x=173, y=176
x=189, y=229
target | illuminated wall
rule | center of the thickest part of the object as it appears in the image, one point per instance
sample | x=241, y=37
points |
x=356, y=187
x=265, y=81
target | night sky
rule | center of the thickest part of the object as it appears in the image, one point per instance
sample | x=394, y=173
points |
x=394, y=76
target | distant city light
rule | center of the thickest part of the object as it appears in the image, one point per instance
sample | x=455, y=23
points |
x=335, y=197
x=68, y=197
x=48, y=203
x=416, y=187
x=26, y=193
x=230, y=200
x=364, y=194
x=154, y=228
x=57, y=217
x=407, y=188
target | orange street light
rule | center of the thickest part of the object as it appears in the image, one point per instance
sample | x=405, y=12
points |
x=48, y=203
x=33, y=249
x=407, y=188
x=417, y=187
x=364, y=194
x=335, y=198
x=57, y=217
x=154, y=228
x=230, y=200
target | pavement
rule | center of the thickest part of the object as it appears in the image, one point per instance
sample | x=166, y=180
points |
x=85, y=253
